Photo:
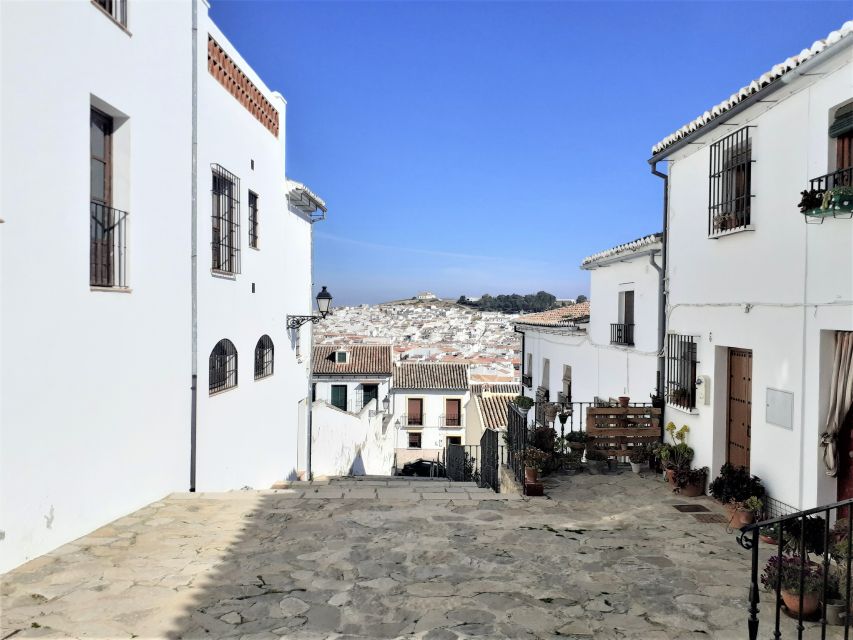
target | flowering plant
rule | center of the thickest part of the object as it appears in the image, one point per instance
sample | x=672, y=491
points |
x=535, y=458
x=788, y=570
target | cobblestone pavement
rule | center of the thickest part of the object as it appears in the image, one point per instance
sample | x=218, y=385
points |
x=604, y=556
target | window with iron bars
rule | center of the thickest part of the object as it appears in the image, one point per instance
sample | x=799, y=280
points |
x=222, y=366
x=264, y=357
x=681, y=371
x=116, y=9
x=253, y=220
x=225, y=244
x=729, y=184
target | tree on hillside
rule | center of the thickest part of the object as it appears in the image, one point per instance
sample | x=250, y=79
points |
x=581, y=298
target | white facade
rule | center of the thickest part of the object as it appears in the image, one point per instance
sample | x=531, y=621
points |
x=94, y=384
x=247, y=435
x=357, y=444
x=434, y=431
x=95, y=401
x=581, y=361
x=780, y=288
x=355, y=396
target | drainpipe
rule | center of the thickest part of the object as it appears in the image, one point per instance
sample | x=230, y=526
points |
x=310, y=404
x=662, y=288
x=194, y=248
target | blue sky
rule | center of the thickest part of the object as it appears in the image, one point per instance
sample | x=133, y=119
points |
x=487, y=147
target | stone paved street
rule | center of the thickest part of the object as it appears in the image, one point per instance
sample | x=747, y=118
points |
x=604, y=556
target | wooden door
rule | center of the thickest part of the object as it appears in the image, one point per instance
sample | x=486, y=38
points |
x=339, y=396
x=628, y=308
x=740, y=407
x=844, y=151
x=452, y=413
x=416, y=411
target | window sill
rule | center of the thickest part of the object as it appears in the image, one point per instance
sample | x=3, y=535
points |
x=731, y=232
x=221, y=391
x=111, y=289
x=690, y=412
x=112, y=19
x=259, y=378
x=254, y=248
x=224, y=275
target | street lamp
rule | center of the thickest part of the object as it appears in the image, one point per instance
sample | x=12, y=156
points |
x=324, y=303
x=386, y=403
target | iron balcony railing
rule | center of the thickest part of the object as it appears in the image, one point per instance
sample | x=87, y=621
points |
x=413, y=421
x=449, y=421
x=107, y=246
x=527, y=380
x=622, y=334
x=808, y=572
x=117, y=9
x=840, y=178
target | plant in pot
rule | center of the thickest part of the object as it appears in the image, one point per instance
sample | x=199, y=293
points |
x=577, y=440
x=523, y=403
x=690, y=482
x=747, y=510
x=624, y=401
x=534, y=462
x=680, y=457
x=657, y=455
x=638, y=456
x=735, y=484
x=770, y=534
x=785, y=572
x=595, y=461
x=835, y=604
x=573, y=460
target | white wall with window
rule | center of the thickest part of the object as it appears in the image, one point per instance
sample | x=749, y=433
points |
x=760, y=300
x=425, y=418
x=94, y=278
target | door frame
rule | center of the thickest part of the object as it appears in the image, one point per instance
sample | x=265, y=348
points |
x=728, y=399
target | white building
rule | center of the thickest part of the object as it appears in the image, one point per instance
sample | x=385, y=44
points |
x=757, y=298
x=122, y=272
x=604, y=348
x=427, y=408
x=350, y=377
x=426, y=295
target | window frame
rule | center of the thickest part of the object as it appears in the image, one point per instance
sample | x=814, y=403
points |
x=332, y=389
x=253, y=220
x=264, y=357
x=225, y=221
x=682, y=362
x=420, y=439
x=222, y=367
x=730, y=183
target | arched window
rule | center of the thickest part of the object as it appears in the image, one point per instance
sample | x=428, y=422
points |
x=263, y=358
x=222, y=372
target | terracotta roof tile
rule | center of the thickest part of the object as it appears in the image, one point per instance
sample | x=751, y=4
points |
x=562, y=317
x=363, y=359
x=430, y=375
x=495, y=387
x=493, y=408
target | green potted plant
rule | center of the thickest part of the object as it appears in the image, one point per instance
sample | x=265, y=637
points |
x=595, y=461
x=638, y=456
x=690, y=482
x=573, y=460
x=523, y=403
x=534, y=461
x=785, y=572
x=747, y=510
x=770, y=534
x=577, y=440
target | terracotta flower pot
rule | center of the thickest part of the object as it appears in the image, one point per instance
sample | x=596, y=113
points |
x=745, y=517
x=531, y=474
x=623, y=401
x=769, y=540
x=691, y=490
x=792, y=602
x=670, y=476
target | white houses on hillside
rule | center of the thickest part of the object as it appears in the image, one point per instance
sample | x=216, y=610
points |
x=604, y=348
x=427, y=405
x=172, y=257
x=757, y=299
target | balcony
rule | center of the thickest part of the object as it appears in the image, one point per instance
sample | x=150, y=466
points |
x=107, y=246
x=445, y=421
x=622, y=334
x=407, y=420
x=527, y=381
x=829, y=196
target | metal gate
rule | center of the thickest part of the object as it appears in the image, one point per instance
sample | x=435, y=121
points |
x=489, y=460
x=463, y=463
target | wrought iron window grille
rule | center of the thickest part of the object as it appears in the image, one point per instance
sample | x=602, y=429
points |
x=264, y=357
x=107, y=246
x=222, y=367
x=225, y=243
x=730, y=183
x=681, y=365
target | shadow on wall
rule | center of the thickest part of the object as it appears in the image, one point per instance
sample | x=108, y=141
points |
x=357, y=467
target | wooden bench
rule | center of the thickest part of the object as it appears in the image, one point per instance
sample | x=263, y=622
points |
x=614, y=431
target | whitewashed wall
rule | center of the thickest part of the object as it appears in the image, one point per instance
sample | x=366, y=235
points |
x=797, y=279
x=94, y=386
x=433, y=436
x=350, y=444
x=247, y=436
x=355, y=388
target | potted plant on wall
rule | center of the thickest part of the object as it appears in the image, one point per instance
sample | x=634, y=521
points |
x=523, y=403
x=785, y=571
x=577, y=440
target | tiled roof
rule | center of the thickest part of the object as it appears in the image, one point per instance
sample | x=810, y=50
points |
x=494, y=408
x=302, y=197
x=562, y=317
x=625, y=249
x=431, y=375
x=496, y=387
x=363, y=359
x=756, y=85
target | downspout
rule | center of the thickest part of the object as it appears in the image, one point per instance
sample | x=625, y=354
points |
x=309, y=398
x=662, y=290
x=194, y=248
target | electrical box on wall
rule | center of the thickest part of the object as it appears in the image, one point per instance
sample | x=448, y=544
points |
x=703, y=390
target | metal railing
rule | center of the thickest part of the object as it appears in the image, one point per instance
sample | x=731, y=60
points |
x=463, y=462
x=413, y=421
x=517, y=435
x=681, y=364
x=840, y=178
x=809, y=568
x=107, y=246
x=622, y=334
x=449, y=421
x=489, y=460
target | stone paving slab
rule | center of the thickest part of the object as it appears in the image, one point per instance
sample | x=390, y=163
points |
x=602, y=557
